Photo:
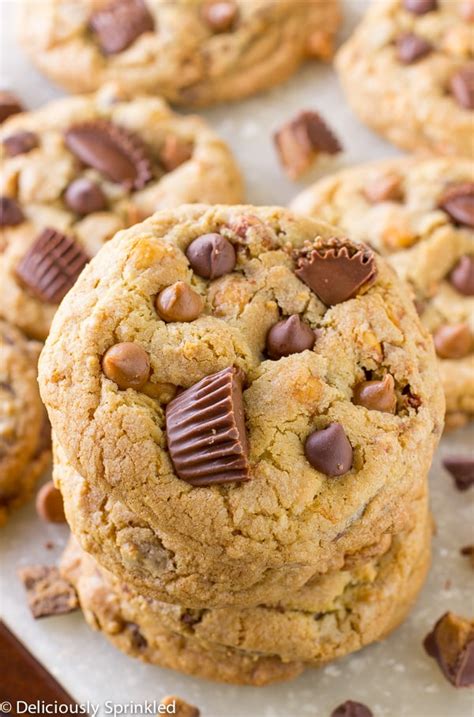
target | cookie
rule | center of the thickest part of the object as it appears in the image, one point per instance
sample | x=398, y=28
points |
x=192, y=53
x=408, y=70
x=337, y=614
x=293, y=454
x=419, y=213
x=24, y=429
x=80, y=169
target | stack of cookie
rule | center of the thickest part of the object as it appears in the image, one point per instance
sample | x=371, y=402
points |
x=245, y=407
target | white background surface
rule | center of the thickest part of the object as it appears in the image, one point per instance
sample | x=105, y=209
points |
x=394, y=678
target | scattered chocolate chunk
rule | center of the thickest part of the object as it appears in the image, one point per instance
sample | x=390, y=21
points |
x=462, y=86
x=458, y=202
x=352, y=709
x=461, y=469
x=179, y=302
x=174, y=152
x=384, y=188
x=51, y=266
x=120, y=23
x=211, y=256
x=453, y=341
x=411, y=48
x=220, y=15
x=337, y=271
x=206, y=431
x=49, y=504
x=376, y=395
x=462, y=276
x=48, y=593
x=10, y=212
x=451, y=643
x=468, y=551
x=84, y=196
x=329, y=451
x=20, y=143
x=9, y=105
x=180, y=707
x=115, y=152
x=420, y=7
x=300, y=141
x=290, y=336
x=127, y=364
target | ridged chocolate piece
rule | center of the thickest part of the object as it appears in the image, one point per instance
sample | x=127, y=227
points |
x=115, y=152
x=206, y=431
x=51, y=266
x=120, y=23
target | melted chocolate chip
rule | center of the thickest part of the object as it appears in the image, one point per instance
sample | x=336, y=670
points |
x=10, y=212
x=329, y=451
x=461, y=468
x=376, y=395
x=352, y=709
x=120, y=23
x=462, y=276
x=462, y=86
x=20, y=143
x=451, y=643
x=9, y=105
x=420, y=7
x=127, y=364
x=84, y=196
x=411, y=48
x=211, y=256
x=458, y=202
x=290, y=336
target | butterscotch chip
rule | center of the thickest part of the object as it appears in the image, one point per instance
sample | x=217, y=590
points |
x=179, y=302
x=175, y=152
x=48, y=593
x=49, y=504
x=453, y=341
x=127, y=364
x=181, y=708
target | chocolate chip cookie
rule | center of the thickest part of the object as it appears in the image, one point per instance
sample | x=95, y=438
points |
x=420, y=214
x=408, y=72
x=239, y=458
x=192, y=53
x=25, y=446
x=80, y=169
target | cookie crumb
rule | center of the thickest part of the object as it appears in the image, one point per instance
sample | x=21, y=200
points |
x=181, y=708
x=48, y=593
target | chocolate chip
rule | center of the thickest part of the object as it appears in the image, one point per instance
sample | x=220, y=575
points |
x=174, y=152
x=180, y=707
x=206, y=431
x=10, y=212
x=84, y=196
x=337, y=270
x=462, y=86
x=376, y=395
x=468, y=552
x=49, y=504
x=453, y=341
x=352, y=709
x=51, y=266
x=220, y=15
x=20, y=143
x=211, y=256
x=127, y=364
x=9, y=105
x=329, y=451
x=300, y=141
x=420, y=7
x=461, y=469
x=411, y=47
x=179, y=302
x=115, y=152
x=451, y=643
x=386, y=187
x=462, y=276
x=120, y=23
x=458, y=202
x=290, y=336
x=48, y=593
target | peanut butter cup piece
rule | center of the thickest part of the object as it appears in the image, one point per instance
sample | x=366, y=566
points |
x=411, y=48
x=127, y=364
x=462, y=276
x=48, y=593
x=49, y=504
x=453, y=341
x=84, y=196
x=10, y=212
x=329, y=451
x=206, y=431
x=20, y=143
x=51, y=266
x=420, y=7
x=179, y=302
x=458, y=202
x=120, y=23
x=211, y=256
x=352, y=709
x=376, y=395
x=115, y=152
x=9, y=105
x=289, y=336
x=462, y=86
x=337, y=270
x=451, y=643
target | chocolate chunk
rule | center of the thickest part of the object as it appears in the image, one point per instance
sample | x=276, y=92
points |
x=180, y=707
x=376, y=395
x=49, y=504
x=300, y=141
x=220, y=15
x=458, y=202
x=120, y=23
x=462, y=276
x=51, y=266
x=329, y=451
x=179, y=302
x=411, y=47
x=352, y=709
x=10, y=212
x=84, y=196
x=9, y=105
x=462, y=86
x=451, y=643
x=468, y=551
x=127, y=364
x=48, y=593
x=461, y=469
x=174, y=152
x=290, y=336
x=386, y=187
x=206, y=431
x=115, y=152
x=211, y=256
x=420, y=7
x=453, y=341
x=20, y=143
x=337, y=270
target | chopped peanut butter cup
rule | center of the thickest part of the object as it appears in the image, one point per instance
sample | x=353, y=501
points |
x=120, y=23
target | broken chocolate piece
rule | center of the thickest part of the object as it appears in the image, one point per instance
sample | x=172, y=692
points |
x=329, y=451
x=10, y=212
x=458, y=202
x=120, y=23
x=48, y=593
x=384, y=188
x=451, y=643
x=461, y=469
